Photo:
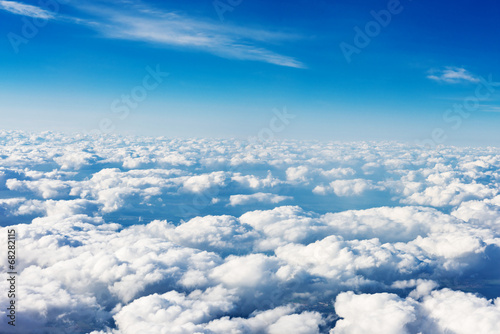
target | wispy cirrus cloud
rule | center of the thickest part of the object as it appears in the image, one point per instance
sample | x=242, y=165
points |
x=25, y=10
x=490, y=108
x=175, y=30
x=131, y=20
x=452, y=75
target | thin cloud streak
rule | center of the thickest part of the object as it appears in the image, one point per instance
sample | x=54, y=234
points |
x=453, y=75
x=490, y=108
x=172, y=30
x=25, y=10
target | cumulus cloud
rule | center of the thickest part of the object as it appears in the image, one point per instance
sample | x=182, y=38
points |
x=380, y=313
x=254, y=182
x=297, y=174
x=353, y=187
x=256, y=198
x=213, y=233
x=440, y=311
x=403, y=240
x=336, y=173
x=200, y=183
x=173, y=312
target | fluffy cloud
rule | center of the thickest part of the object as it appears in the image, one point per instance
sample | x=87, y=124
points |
x=256, y=198
x=200, y=183
x=297, y=174
x=173, y=312
x=353, y=187
x=440, y=311
x=380, y=313
x=374, y=237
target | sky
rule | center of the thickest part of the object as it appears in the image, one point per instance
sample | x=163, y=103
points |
x=411, y=70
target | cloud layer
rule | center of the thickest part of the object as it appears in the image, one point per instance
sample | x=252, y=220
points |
x=128, y=235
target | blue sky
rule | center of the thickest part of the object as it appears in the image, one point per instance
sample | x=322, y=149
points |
x=230, y=65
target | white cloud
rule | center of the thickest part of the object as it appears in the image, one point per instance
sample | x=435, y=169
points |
x=139, y=22
x=283, y=225
x=181, y=31
x=337, y=173
x=245, y=271
x=173, y=312
x=134, y=21
x=25, y=10
x=45, y=188
x=200, y=183
x=257, y=198
x=273, y=321
x=440, y=311
x=297, y=174
x=354, y=187
x=462, y=313
x=212, y=233
x=254, y=182
x=233, y=270
x=381, y=313
x=453, y=75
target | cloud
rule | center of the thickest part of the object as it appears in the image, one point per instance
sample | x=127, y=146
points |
x=483, y=213
x=212, y=233
x=174, y=312
x=297, y=174
x=181, y=31
x=201, y=183
x=490, y=108
x=283, y=225
x=274, y=321
x=25, y=10
x=354, y=187
x=336, y=173
x=138, y=22
x=245, y=271
x=453, y=75
x=257, y=198
x=378, y=314
x=419, y=255
x=440, y=311
x=254, y=182
x=461, y=313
